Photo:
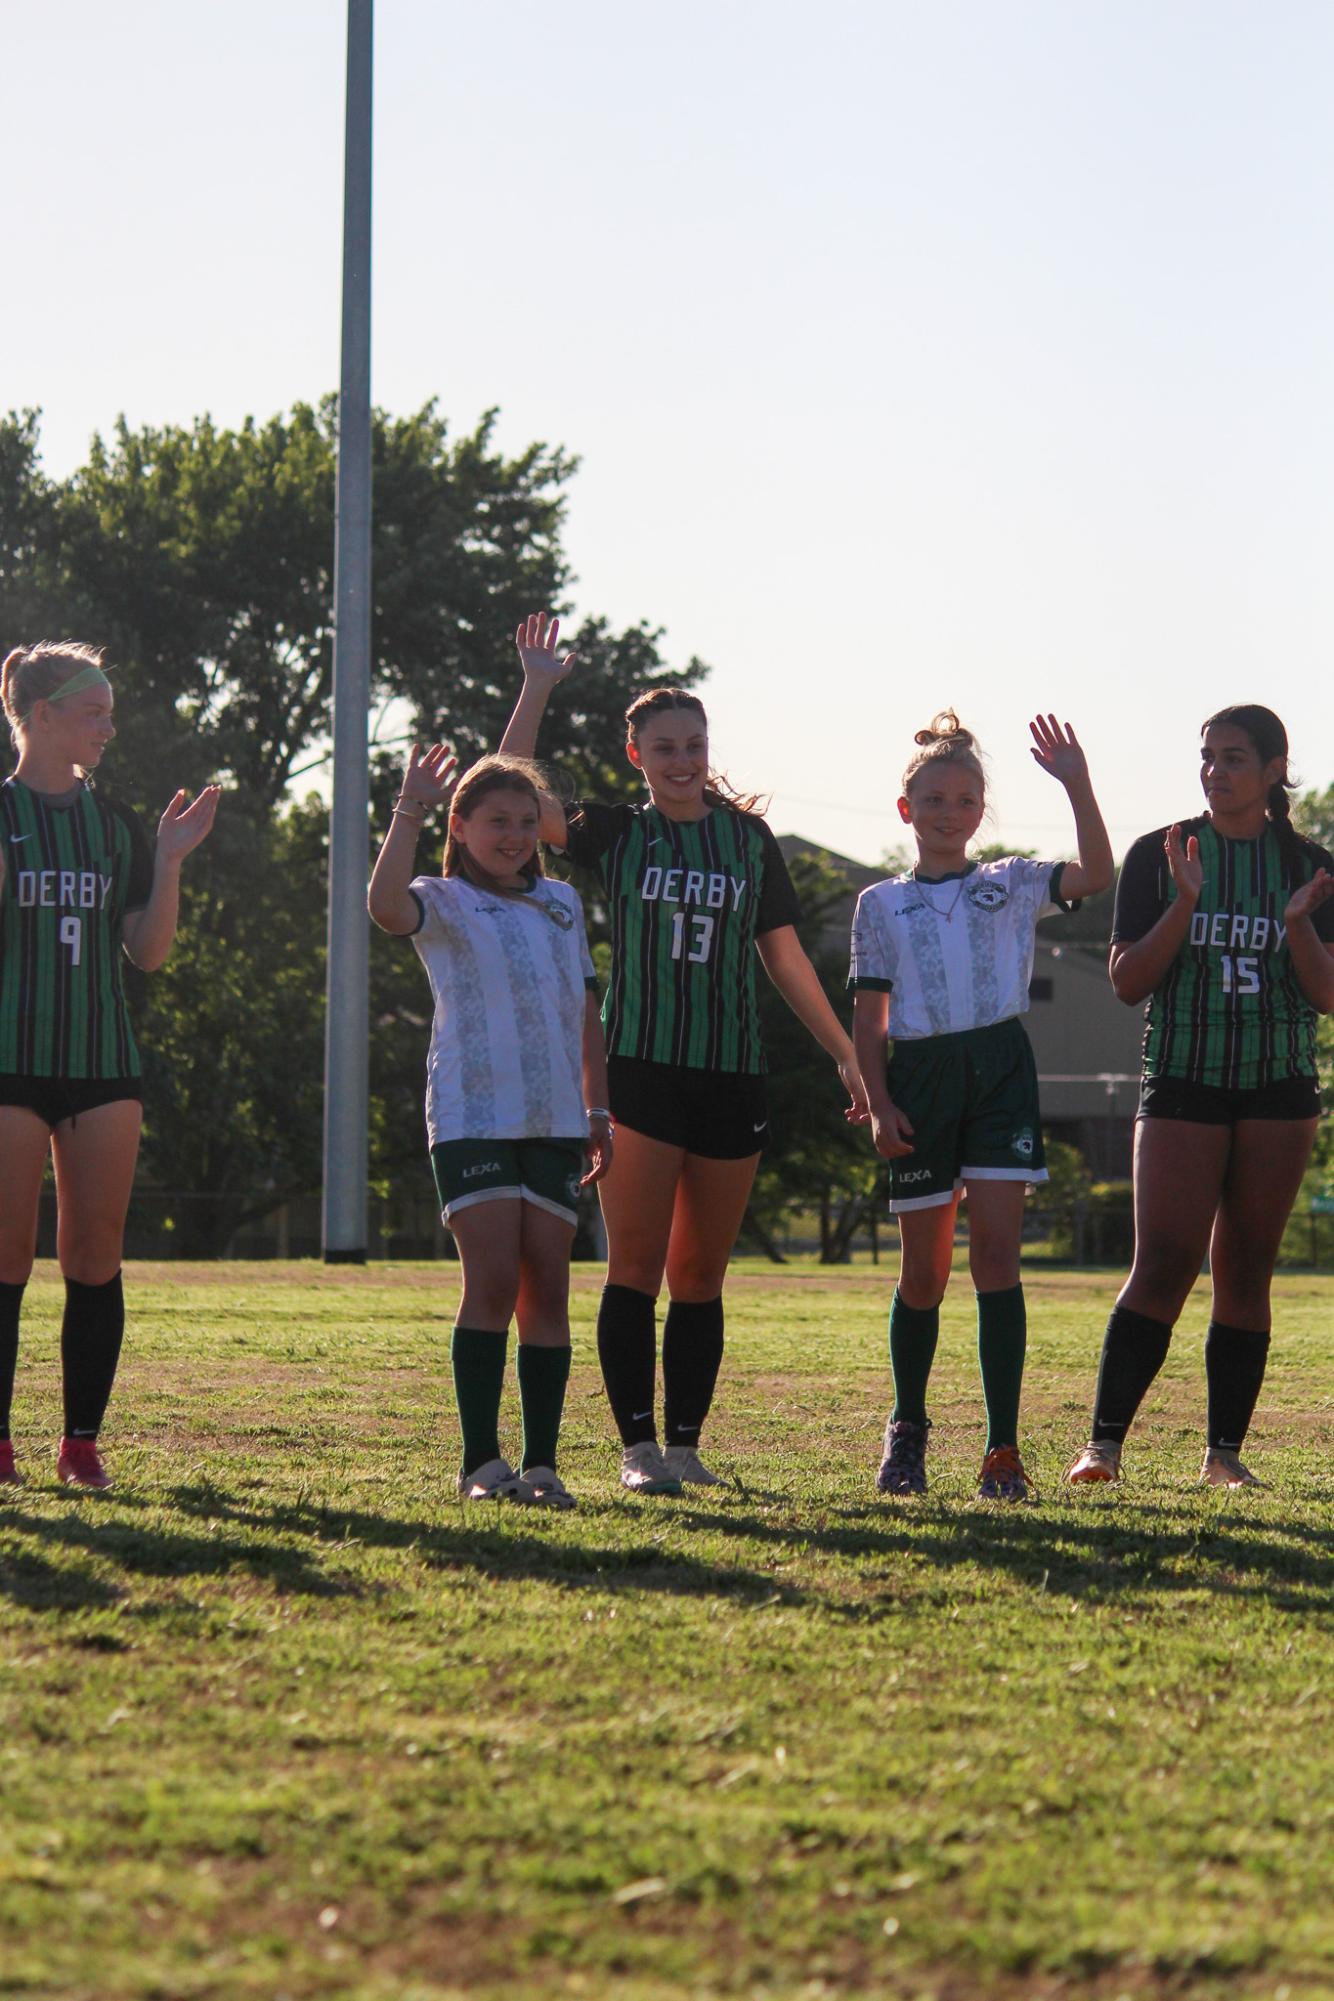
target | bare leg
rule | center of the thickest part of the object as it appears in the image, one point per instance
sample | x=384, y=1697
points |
x=1263, y=1177
x=1179, y=1173
x=711, y=1198
x=25, y=1141
x=95, y=1156
x=926, y=1238
x=995, y=1229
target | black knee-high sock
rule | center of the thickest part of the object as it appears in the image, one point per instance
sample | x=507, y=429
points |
x=1234, y=1368
x=627, y=1350
x=692, y=1354
x=1134, y=1348
x=90, y=1338
x=11, y=1298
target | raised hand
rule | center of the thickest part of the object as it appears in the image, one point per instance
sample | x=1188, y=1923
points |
x=1305, y=902
x=429, y=778
x=1058, y=751
x=1185, y=864
x=182, y=827
x=536, y=641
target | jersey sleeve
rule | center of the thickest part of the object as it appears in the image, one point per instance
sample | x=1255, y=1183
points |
x=140, y=885
x=585, y=956
x=422, y=891
x=1323, y=921
x=1141, y=889
x=872, y=964
x=590, y=829
x=1039, y=883
x=779, y=903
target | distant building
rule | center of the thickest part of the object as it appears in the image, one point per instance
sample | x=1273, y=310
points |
x=1087, y=1043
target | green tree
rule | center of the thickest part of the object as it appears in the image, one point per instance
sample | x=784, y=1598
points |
x=202, y=558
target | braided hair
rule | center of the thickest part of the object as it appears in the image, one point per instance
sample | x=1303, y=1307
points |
x=1269, y=740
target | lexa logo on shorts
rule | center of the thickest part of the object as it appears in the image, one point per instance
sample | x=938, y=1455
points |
x=482, y=1167
x=916, y=1174
x=988, y=895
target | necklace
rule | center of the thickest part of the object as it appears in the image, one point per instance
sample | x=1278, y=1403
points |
x=935, y=908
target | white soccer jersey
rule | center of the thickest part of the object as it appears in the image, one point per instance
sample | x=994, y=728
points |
x=955, y=954
x=509, y=975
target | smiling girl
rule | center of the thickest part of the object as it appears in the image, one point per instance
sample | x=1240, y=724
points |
x=941, y=963
x=1225, y=925
x=79, y=885
x=697, y=890
x=516, y=1095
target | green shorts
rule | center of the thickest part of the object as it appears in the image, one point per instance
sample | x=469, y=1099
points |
x=545, y=1172
x=972, y=1100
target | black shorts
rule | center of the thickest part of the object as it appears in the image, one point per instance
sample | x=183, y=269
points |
x=719, y=1114
x=1216, y=1105
x=56, y=1099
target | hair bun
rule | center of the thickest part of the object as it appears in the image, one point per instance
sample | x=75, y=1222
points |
x=944, y=727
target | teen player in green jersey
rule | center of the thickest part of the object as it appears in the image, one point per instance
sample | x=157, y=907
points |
x=516, y=1085
x=942, y=958
x=1225, y=925
x=697, y=889
x=78, y=885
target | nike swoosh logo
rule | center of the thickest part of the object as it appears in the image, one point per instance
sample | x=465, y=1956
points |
x=641, y=1413
x=760, y=1127
x=20, y=837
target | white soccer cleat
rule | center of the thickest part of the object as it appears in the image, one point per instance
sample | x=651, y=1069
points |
x=1100, y=1460
x=494, y=1481
x=542, y=1487
x=689, y=1468
x=1223, y=1468
x=645, y=1471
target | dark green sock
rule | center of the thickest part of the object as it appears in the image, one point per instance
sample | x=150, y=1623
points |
x=913, y=1333
x=543, y=1374
x=1002, y=1336
x=478, y=1358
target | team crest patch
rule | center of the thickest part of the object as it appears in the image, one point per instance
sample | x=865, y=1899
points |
x=988, y=895
x=1022, y=1144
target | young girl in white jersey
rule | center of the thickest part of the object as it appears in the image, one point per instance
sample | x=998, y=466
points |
x=941, y=963
x=515, y=1096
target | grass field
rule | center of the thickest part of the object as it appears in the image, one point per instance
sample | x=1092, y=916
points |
x=281, y=1718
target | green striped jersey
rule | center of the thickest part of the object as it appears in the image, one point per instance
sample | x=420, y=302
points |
x=74, y=865
x=1229, y=1011
x=687, y=900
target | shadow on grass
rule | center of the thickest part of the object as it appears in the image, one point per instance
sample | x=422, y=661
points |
x=500, y=1553
x=1161, y=1553
x=39, y=1567
x=289, y=1546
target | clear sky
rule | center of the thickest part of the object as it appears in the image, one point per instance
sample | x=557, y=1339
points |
x=976, y=351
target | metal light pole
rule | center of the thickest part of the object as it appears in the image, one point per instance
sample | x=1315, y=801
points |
x=347, y=1017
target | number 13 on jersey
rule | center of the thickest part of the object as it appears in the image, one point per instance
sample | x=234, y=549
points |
x=701, y=936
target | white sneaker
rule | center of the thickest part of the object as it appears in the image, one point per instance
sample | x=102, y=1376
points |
x=1223, y=1468
x=689, y=1468
x=541, y=1487
x=1099, y=1460
x=645, y=1471
x=495, y=1481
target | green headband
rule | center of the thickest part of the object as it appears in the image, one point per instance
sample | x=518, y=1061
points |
x=87, y=677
